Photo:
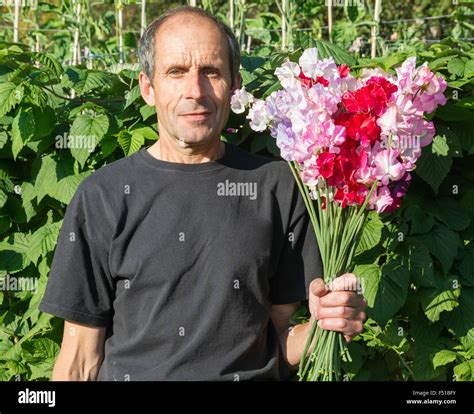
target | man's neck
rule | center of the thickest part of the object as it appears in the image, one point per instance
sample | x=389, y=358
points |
x=187, y=154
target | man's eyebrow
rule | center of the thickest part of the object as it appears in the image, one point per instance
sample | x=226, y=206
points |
x=182, y=67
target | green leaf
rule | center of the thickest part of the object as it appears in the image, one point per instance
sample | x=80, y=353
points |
x=420, y=222
x=456, y=67
x=352, y=11
x=85, y=81
x=369, y=275
x=444, y=297
x=10, y=96
x=10, y=261
x=469, y=68
x=132, y=95
x=43, y=241
x=146, y=132
x=461, y=319
x=45, y=120
x=451, y=212
x=50, y=62
x=419, y=262
x=67, y=186
x=443, y=243
x=130, y=143
x=46, y=179
x=3, y=139
x=466, y=266
x=434, y=163
x=392, y=290
x=86, y=132
x=27, y=195
x=147, y=111
x=5, y=224
x=3, y=198
x=23, y=129
x=327, y=50
x=371, y=234
x=444, y=357
x=464, y=371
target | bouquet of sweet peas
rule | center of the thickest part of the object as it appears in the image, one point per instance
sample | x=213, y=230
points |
x=351, y=144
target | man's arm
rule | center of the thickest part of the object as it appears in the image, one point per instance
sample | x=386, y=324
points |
x=81, y=354
x=292, y=339
x=337, y=308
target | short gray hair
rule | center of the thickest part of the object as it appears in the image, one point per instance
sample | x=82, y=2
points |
x=146, y=49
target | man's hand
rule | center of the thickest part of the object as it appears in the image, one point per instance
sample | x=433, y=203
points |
x=339, y=306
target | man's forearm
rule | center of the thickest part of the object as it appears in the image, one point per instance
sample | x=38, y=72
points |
x=294, y=341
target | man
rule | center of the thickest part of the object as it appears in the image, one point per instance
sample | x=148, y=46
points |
x=186, y=260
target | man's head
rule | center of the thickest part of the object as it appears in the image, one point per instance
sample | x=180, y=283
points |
x=190, y=64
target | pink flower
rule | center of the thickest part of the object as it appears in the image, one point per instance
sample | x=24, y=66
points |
x=387, y=166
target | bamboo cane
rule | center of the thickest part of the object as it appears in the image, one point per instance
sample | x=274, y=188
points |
x=375, y=27
x=16, y=21
x=329, y=3
x=143, y=19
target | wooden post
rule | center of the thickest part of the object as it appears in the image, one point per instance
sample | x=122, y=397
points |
x=283, y=24
x=329, y=3
x=143, y=19
x=375, y=27
x=231, y=14
x=119, y=29
x=16, y=21
x=76, y=47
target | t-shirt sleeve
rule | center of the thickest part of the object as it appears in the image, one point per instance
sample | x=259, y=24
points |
x=80, y=287
x=300, y=261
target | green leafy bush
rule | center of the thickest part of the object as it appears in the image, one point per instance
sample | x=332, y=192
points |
x=417, y=264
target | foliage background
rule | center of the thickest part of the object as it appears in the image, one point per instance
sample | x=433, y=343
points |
x=417, y=263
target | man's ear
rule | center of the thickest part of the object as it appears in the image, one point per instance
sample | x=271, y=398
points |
x=146, y=89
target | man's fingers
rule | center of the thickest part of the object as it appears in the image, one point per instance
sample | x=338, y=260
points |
x=345, y=312
x=318, y=287
x=348, y=281
x=343, y=298
x=348, y=328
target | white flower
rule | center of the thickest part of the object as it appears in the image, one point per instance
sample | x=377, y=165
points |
x=240, y=100
x=309, y=62
x=259, y=116
x=287, y=73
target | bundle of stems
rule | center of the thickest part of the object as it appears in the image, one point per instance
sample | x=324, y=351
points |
x=338, y=230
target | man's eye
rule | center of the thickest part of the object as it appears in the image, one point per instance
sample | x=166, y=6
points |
x=210, y=72
x=175, y=72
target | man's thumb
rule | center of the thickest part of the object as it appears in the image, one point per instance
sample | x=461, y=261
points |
x=318, y=287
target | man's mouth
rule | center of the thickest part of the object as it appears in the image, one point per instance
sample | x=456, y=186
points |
x=196, y=116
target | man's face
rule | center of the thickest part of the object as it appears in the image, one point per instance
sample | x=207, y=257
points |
x=192, y=80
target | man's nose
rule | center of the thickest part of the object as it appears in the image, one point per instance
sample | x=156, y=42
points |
x=195, y=87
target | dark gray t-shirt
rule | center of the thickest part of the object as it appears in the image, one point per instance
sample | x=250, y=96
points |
x=182, y=263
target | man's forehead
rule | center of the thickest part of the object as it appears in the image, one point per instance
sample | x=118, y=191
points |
x=180, y=52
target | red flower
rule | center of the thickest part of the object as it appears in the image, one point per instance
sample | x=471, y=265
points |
x=343, y=70
x=325, y=163
x=322, y=81
x=308, y=82
x=360, y=127
x=372, y=97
